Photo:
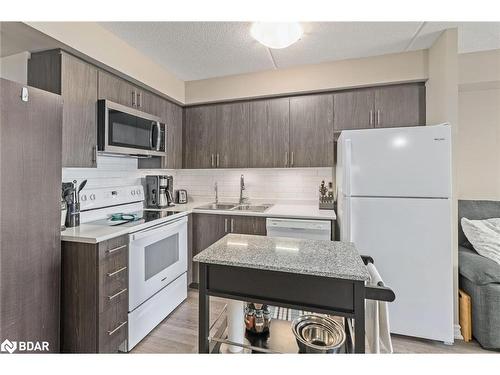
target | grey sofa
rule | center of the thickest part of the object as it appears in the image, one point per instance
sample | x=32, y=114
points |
x=480, y=276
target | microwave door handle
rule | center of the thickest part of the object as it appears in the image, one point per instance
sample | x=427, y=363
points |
x=158, y=136
x=151, y=137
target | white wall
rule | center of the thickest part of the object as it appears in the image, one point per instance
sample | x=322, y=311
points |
x=369, y=71
x=267, y=184
x=479, y=125
x=442, y=106
x=15, y=67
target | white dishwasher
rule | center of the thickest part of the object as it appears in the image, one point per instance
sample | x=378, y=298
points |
x=298, y=228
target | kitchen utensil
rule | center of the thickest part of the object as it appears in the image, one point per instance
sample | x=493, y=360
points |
x=82, y=185
x=318, y=334
x=63, y=213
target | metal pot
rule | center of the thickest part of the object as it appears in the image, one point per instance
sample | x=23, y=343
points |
x=318, y=334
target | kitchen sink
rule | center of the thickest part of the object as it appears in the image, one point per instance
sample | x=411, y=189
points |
x=253, y=208
x=235, y=207
x=218, y=206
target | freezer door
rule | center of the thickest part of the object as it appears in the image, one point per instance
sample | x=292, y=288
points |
x=398, y=162
x=410, y=241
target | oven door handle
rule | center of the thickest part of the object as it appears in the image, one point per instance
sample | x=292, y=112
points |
x=167, y=227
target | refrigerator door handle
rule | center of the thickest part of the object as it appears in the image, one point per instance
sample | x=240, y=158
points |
x=347, y=167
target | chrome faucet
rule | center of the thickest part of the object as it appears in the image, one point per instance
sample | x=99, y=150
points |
x=216, y=193
x=242, y=187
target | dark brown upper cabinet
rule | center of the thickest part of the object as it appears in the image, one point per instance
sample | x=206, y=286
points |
x=232, y=136
x=76, y=81
x=401, y=105
x=200, y=137
x=120, y=91
x=269, y=133
x=116, y=89
x=311, y=131
x=353, y=109
x=173, y=120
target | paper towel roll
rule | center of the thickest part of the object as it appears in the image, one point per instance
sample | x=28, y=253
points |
x=235, y=324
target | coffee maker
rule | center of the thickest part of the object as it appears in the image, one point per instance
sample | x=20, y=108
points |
x=159, y=190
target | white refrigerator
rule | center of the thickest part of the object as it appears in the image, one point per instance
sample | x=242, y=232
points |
x=394, y=203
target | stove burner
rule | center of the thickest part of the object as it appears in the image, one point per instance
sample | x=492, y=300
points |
x=145, y=216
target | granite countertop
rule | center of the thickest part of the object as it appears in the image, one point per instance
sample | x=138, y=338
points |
x=308, y=257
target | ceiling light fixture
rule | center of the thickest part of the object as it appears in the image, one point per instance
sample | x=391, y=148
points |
x=276, y=34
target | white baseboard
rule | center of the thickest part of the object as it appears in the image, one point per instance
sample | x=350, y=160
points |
x=458, y=332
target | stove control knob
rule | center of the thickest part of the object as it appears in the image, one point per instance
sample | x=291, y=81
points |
x=138, y=191
x=133, y=192
x=83, y=198
x=92, y=197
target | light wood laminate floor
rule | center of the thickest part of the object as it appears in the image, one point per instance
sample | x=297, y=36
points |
x=179, y=334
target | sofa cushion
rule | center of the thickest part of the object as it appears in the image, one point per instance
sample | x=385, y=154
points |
x=476, y=268
x=475, y=210
x=484, y=235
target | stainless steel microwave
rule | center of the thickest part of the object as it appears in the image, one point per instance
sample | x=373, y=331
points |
x=124, y=130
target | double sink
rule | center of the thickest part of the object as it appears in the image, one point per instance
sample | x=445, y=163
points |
x=235, y=207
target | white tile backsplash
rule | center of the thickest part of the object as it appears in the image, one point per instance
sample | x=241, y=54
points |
x=268, y=183
x=279, y=183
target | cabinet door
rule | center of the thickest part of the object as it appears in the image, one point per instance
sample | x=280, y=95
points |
x=148, y=102
x=353, y=109
x=402, y=105
x=79, y=92
x=269, y=133
x=311, y=131
x=232, y=135
x=200, y=137
x=173, y=121
x=207, y=229
x=254, y=225
x=30, y=242
x=116, y=89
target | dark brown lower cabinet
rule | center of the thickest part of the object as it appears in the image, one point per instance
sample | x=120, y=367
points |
x=209, y=228
x=94, y=300
x=30, y=193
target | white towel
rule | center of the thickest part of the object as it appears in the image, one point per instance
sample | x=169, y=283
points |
x=378, y=330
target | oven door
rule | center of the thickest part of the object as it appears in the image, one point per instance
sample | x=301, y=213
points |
x=125, y=130
x=157, y=256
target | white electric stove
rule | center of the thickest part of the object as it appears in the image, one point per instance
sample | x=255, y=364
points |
x=157, y=253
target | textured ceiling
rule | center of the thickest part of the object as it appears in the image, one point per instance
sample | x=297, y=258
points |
x=199, y=50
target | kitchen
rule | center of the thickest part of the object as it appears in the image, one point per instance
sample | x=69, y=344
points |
x=173, y=200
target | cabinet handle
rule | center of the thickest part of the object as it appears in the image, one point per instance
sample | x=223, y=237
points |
x=378, y=116
x=133, y=98
x=232, y=225
x=371, y=117
x=286, y=159
x=217, y=160
x=112, y=332
x=94, y=155
x=111, y=251
x=117, y=294
x=139, y=100
x=225, y=225
x=212, y=160
x=111, y=274
x=291, y=160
